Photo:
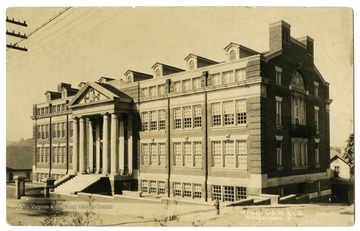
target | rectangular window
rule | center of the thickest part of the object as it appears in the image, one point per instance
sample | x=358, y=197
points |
x=161, y=89
x=161, y=119
x=278, y=77
x=187, y=116
x=317, y=154
x=279, y=153
x=177, y=189
x=299, y=155
x=145, y=92
x=153, y=121
x=38, y=154
x=196, y=83
x=216, y=192
x=63, y=155
x=152, y=91
x=228, y=77
x=153, y=154
x=187, y=190
x=161, y=188
x=42, y=132
x=216, y=114
x=71, y=129
x=47, y=131
x=177, y=154
x=39, y=132
x=317, y=119
x=186, y=84
x=177, y=118
x=145, y=154
x=153, y=187
x=197, y=116
x=59, y=108
x=229, y=193
x=161, y=147
x=240, y=193
x=216, y=150
x=47, y=155
x=240, y=111
x=187, y=154
x=228, y=112
x=197, y=154
x=216, y=79
x=144, y=186
x=316, y=89
x=145, y=121
x=58, y=130
x=241, y=152
x=177, y=86
x=229, y=155
x=240, y=74
x=58, y=156
x=54, y=154
x=63, y=129
x=70, y=154
x=278, y=113
x=197, y=190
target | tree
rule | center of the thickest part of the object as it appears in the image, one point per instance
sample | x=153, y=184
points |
x=349, y=153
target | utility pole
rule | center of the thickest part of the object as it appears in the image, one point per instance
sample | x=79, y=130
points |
x=18, y=34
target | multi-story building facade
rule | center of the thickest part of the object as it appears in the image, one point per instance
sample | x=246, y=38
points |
x=253, y=124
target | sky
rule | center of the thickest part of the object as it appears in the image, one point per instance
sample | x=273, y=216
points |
x=84, y=44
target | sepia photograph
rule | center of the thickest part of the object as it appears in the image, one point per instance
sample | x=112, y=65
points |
x=180, y=116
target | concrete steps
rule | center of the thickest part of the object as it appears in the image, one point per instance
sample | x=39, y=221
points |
x=77, y=184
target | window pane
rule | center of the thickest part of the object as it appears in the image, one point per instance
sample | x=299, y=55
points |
x=216, y=150
x=153, y=120
x=177, y=153
x=197, y=154
x=162, y=120
x=241, y=111
x=161, y=154
x=197, y=116
x=145, y=121
x=187, y=154
x=229, y=155
x=241, y=152
x=153, y=154
x=145, y=154
x=216, y=111
x=177, y=117
x=228, y=110
x=187, y=116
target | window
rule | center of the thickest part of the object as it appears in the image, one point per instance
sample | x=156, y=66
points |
x=278, y=111
x=299, y=153
x=337, y=169
x=153, y=187
x=187, y=116
x=145, y=121
x=161, y=89
x=161, y=119
x=317, y=154
x=241, y=153
x=63, y=129
x=316, y=89
x=71, y=129
x=187, y=190
x=191, y=65
x=216, y=192
x=153, y=154
x=187, y=154
x=153, y=120
x=216, y=112
x=229, y=193
x=186, y=84
x=47, y=154
x=152, y=91
x=47, y=131
x=177, y=189
x=316, y=119
x=63, y=155
x=38, y=154
x=54, y=154
x=298, y=114
x=144, y=186
x=58, y=130
x=177, y=118
x=145, y=154
x=39, y=132
x=58, y=156
x=216, y=79
x=228, y=111
x=177, y=86
x=197, y=116
x=240, y=111
x=70, y=154
x=240, y=193
x=197, y=190
x=278, y=71
x=232, y=55
x=240, y=74
x=177, y=154
x=54, y=130
x=228, y=77
x=229, y=154
x=161, y=147
x=145, y=92
x=197, y=154
x=285, y=35
x=216, y=150
x=42, y=155
x=196, y=83
x=42, y=132
x=161, y=188
x=157, y=73
x=279, y=153
x=59, y=108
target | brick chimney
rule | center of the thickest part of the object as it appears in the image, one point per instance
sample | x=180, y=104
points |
x=309, y=43
x=279, y=34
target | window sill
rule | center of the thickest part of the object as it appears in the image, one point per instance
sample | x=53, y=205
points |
x=300, y=167
x=279, y=127
x=228, y=126
x=188, y=167
x=153, y=166
x=228, y=169
x=154, y=131
x=187, y=129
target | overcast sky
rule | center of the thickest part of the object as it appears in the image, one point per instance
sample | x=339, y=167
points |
x=84, y=44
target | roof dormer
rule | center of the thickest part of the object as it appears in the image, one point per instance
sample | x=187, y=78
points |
x=134, y=76
x=52, y=95
x=194, y=62
x=104, y=79
x=236, y=51
x=163, y=70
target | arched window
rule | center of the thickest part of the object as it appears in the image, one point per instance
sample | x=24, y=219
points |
x=191, y=65
x=157, y=73
x=232, y=55
x=11, y=176
x=297, y=81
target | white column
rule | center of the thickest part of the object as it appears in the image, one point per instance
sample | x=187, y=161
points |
x=91, y=147
x=114, y=132
x=82, y=146
x=130, y=145
x=105, y=167
x=121, y=147
x=75, y=146
x=98, y=147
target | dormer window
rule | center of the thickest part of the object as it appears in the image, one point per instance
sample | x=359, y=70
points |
x=191, y=65
x=157, y=73
x=232, y=55
x=63, y=94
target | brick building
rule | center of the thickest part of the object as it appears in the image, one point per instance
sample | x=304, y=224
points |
x=257, y=123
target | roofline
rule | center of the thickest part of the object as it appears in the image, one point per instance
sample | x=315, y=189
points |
x=171, y=67
x=200, y=57
x=282, y=22
x=335, y=157
x=137, y=72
